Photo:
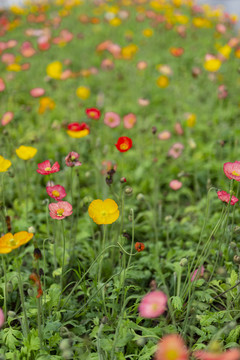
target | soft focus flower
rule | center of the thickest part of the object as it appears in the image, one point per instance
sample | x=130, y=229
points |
x=196, y=71
x=83, y=92
x=175, y=184
x=153, y=304
x=197, y=273
x=222, y=92
x=9, y=242
x=45, y=103
x=163, y=81
x=129, y=120
x=60, y=210
x=225, y=197
x=147, y=32
x=212, y=64
x=139, y=246
x=14, y=67
x=178, y=128
x=232, y=170
x=123, y=144
x=171, y=347
x=164, y=135
x=7, y=118
x=4, y=164
x=176, y=51
x=112, y=119
x=143, y=102
x=54, y=70
x=45, y=168
x=231, y=354
x=141, y=65
x=103, y=212
x=37, y=92
x=26, y=152
x=78, y=130
x=72, y=159
x=2, y=85
x=93, y=113
x=164, y=69
x=107, y=64
x=2, y=319
x=190, y=119
x=176, y=150
x=129, y=51
x=56, y=192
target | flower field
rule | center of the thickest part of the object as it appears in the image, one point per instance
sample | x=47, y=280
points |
x=119, y=181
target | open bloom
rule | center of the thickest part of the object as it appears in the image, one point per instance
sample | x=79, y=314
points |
x=197, y=273
x=60, y=210
x=83, y=92
x=45, y=168
x=112, y=119
x=56, y=192
x=78, y=130
x=176, y=150
x=225, y=197
x=231, y=354
x=171, y=347
x=129, y=120
x=45, y=103
x=72, y=159
x=123, y=144
x=54, y=70
x=139, y=246
x=175, y=184
x=103, y=212
x=7, y=118
x=153, y=304
x=4, y=164
x=93, y=113
x=212, y=64
x=232, y=170
x=37, y=92
x=26, y=152
x=9, y=242
x=176, y=51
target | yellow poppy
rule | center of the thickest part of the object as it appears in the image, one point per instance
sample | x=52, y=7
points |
x=78, y=134
x=115, y=21
x=83, y=92
x=163, y=81
x=4, y=164
x=147, y=32
x=14, y=67
x=212, y=65
x=9, y=242
x=191, y=120
x=26, y=152
x=54, y=70
x=103, y=212
x=45, y=103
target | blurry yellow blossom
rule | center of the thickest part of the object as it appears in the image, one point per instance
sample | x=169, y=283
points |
x=225, y=51
x=83, y=92
x=190, y=119
x=163, y=81
x=54, y=70
x=4, y=164
x=201, y=22
x=129, y=51
x=147, y=32
x=212, y=65
x=26, y=152
x=115, y=21
x=14, y=67
x=45, y=103
x=17, y=10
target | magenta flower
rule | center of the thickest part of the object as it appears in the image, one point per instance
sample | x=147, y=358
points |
x=2, y=319
x=112, y=119
x=60, y=210
x=224, y=196
x=176, y=150
x=56, y=192
x=231, y=354
x=153, y=304
x=197, y=273
x=129, y=120
x=45, y=168
x=175, y=184
x=72, y=159
x=232, y=170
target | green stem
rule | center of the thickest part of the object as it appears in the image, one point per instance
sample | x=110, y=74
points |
x=27, y=186
x=25, y=320
x=101, y=258
x=39, y=323
x=5, y=286
x=63, y=256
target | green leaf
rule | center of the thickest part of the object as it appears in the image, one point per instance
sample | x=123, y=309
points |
x=177, y=302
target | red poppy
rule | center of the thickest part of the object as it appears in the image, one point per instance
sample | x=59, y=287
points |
x=77, y=130
x=45, y=168
x=123, y=144
x=34, y=277
x=139, y=246
x=176, y=51
x=93, y=113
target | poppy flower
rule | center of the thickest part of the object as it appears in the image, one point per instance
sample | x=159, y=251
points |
x=176, y=150
x=45, y=168
x=231, y=354
x=196, y=274
x=190, y=119
x=26, y=152
x=225, y=197
x=164, y=135
x=232, y=170
x=35, y=277
x=60, y=210
x=153, y=304
x=4, y=164
x=212, y=64
x=171, y=347
x=72, y=159
x=129, y=121
x=176, y=51
x=2, y=85
x=139, y=246
x=93, y=113
x=56, y=192
x=37, y=92
x=112, y=119
x=7, y=118
x=83, y=92
x=9, y=242
x=78, y=130
x=103, y=212
x=175, y=184
x=54, y=70
x=45, y=103
x=123, y=144
x=163, y=81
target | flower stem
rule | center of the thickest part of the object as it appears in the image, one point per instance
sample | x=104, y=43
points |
x=25, y=320
x=5, y=286
x=101, y=258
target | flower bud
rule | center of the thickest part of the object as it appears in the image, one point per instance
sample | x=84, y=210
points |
x=104, y=320
x=154, y=130
x=236, y=259
x=140, y=197
x=123, y=180
x=30, y=292
x=64, y=344
x=128, y=191
x=233, y=245
x=9, y=287
x=37, y=254
x=183, y=262
x=31, y=229
x=11, y=314
x=168, y=218
x=67, y=354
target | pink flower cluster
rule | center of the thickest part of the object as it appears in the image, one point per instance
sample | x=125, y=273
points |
x=113, y=120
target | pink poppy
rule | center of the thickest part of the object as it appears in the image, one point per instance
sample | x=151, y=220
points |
x=164, y=135
x=225, y=197
x=37, y=92
x=129, y=120
x=45, y=168
x=107, y=64
x=178, y=128
x=171, y=347
x=176, y=150
x=112, y=119
x=222, y=92
x=175, y=184
x=153, y=304
x=72, y=159
x=231, y=354
x=197, y=273
x=7, y=117
x=232, y=170
x=11, y=43
x=141, y=65
x=25, y=66
x=66, y=35
x=233, y=42
x=60, y=210
x=8, y=58
x=2, y=85
x=143, y=102
x=27, y=50
x=2, y=319
x=115, y=50
x=66, y=74
x=56, y=192
x=221, y=28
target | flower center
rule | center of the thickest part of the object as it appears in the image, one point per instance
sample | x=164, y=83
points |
x=55, y=193
x=235, y=173
x=48, y=169
x=103, y=213
x=172, y=354
x=154, y=306
x=60, y=212
x=123, y=146
x=92, y=113
x=73, y=158
x=12, y=242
